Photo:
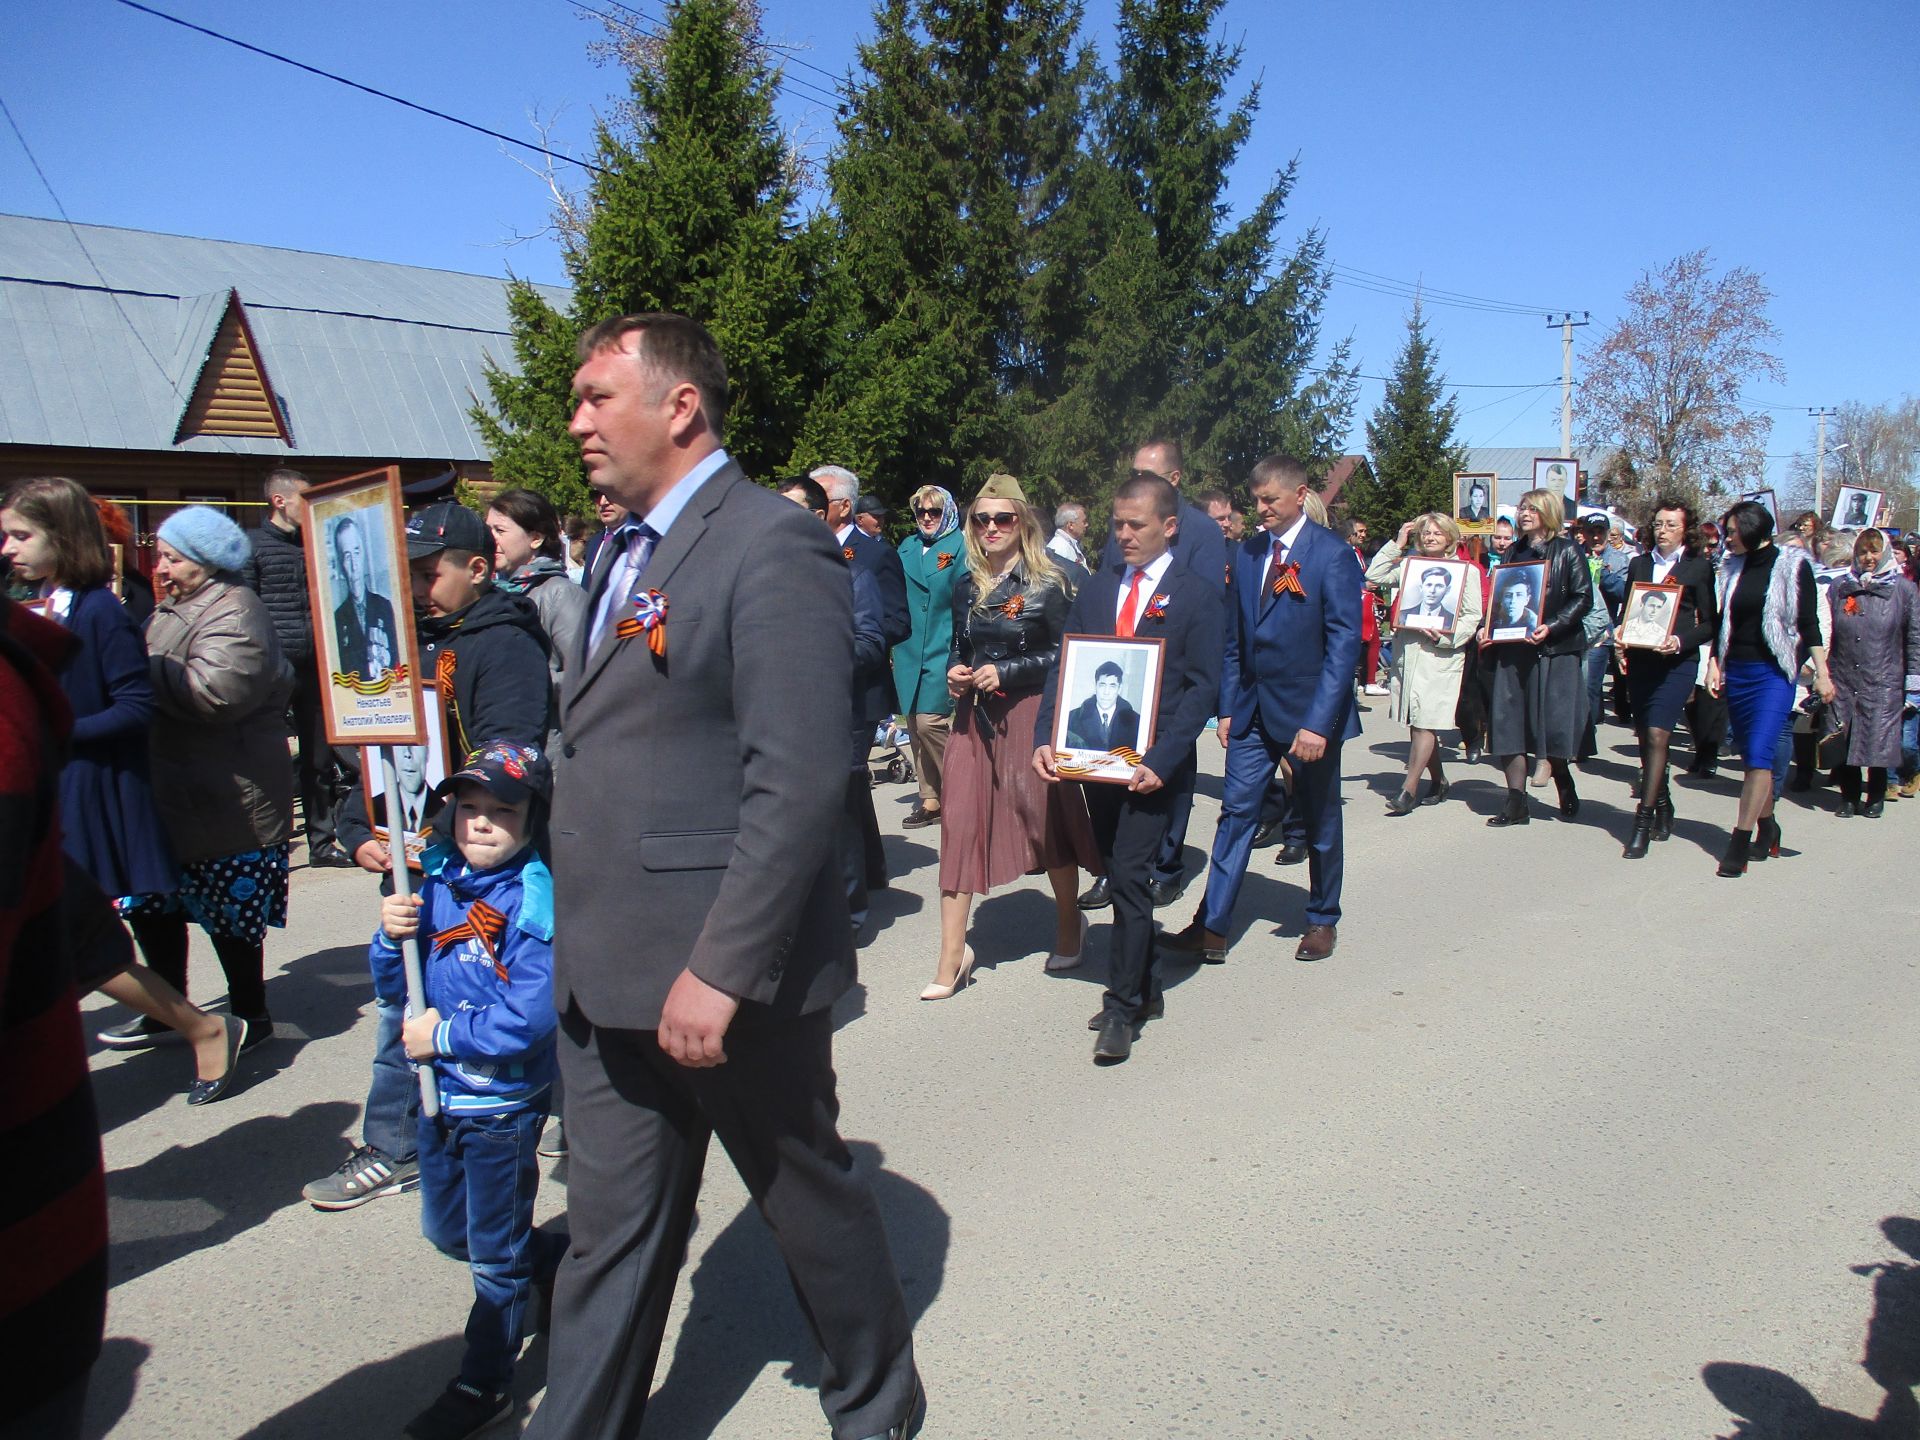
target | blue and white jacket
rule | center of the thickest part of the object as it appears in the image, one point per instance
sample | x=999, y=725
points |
x=486, y=944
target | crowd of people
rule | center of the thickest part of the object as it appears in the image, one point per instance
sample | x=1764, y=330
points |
x=653, y=860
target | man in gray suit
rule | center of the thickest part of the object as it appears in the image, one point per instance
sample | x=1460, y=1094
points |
x=703, y=933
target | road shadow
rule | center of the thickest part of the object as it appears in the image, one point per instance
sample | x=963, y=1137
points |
x=194, y=1197
x=905, y=856
x=1774, y=1406
x=851, y=1006
x=884, y=907
x=111, y=1385
x=742, y=1315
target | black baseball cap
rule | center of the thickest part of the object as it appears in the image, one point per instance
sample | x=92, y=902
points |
x=508, y=769
x=870, y=505
x=446, y=525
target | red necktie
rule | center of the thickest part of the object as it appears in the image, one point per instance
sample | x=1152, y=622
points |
x=1130, y=606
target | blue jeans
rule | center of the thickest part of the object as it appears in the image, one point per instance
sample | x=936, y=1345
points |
x=1909, y=747
x=392, y=1119
x=478, y=1177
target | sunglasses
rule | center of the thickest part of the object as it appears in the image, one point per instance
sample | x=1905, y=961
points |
x=1148, y=475
x=1000, y=519
x=926, y=512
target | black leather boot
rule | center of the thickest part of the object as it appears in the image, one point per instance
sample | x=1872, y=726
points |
x=1766, y=840
x=1569, y=797
x=1663, y=812
x=1734, y=862
x=1514, y=812
x=1642, y=833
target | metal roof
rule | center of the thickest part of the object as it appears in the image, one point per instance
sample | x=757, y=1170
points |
x=368, y=358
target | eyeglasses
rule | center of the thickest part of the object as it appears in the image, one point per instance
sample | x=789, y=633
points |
x=1003, y=520
x=929, y=512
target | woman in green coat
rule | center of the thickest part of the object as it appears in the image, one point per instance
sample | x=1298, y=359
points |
x=933, y=556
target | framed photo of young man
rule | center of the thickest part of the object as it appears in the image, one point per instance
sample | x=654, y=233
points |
x=1558, y=474
x=1855, y=508
x=1109, y=703
x=418, y=768
x=1648, y=618
x=1429, y=594
x=1518, y=589
x=1473, y=497
x=1766, y=501
x=363, y=635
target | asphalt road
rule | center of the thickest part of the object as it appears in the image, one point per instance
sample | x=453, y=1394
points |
x=1555, y=1145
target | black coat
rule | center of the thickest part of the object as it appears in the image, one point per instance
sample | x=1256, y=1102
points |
x=501, y=690
x=1568, y=594
x=1699, y=621
x=276, y=571
x=1017, y=631
x=879, y=560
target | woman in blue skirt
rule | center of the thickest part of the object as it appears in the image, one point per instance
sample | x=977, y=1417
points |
x=1769, y=627
x=1660, y=680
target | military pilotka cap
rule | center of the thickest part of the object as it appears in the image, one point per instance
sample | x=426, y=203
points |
x=446, y=525
x=1001, y=487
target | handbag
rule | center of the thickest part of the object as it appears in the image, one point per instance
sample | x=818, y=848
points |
x=1829, y=737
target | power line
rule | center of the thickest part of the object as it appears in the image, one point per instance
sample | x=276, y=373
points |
x=806, y=88
x=92, y=263
x=792, y=51
x=364, y=89
x=1439, y=295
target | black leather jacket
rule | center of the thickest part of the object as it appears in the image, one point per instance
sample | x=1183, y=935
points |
x=1023, y=645
x=1569, y=593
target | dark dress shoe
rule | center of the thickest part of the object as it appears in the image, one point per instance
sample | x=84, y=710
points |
x=205, y=1092
x=1264, y=832
x=1569, y=797
x=1846, y=811
x=1196, y=939
x=140, y=1032
x=916, y=1417
x=1514, y=812
x=1402, y=804
x=1164, y=892
x=1317, y=943
x=1152, y=1010
x=1436, y=792
x=1873, y=810
x=919, y=818
x=1116, y=1041
x=330, y=857
x=1095, y=896
x=1291, y=855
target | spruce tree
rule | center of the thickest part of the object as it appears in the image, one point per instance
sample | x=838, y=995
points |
x=693, y=209
x=1410, y=439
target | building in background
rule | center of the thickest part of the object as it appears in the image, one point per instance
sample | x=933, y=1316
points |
x=166, y=371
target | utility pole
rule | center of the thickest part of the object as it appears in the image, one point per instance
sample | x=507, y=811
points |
x=1820, y=462
x=1566, y=322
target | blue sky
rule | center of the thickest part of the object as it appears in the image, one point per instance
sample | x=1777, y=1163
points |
x=1522, y=153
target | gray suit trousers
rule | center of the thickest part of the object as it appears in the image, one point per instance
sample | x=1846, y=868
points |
x=637, y=1130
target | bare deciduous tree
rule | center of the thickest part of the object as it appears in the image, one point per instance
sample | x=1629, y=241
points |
x=1664, y=384
x=1875, y=446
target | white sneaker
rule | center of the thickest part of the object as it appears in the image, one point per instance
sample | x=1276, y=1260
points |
x=1374, y=690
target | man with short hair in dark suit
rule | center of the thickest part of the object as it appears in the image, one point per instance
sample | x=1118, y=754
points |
x=1103, y=721
x=1148, y=596
x=1286, y=688
x=705, y=933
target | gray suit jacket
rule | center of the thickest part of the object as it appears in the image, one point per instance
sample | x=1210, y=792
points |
x=697, y=793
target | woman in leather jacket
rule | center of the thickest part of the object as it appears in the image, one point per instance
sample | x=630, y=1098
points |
x=1539, y=683
x=999, y=821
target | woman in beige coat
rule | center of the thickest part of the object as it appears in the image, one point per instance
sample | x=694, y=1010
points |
x=1428, y=663
x=222, y=777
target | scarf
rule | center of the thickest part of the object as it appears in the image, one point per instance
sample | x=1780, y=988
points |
x=949, y=519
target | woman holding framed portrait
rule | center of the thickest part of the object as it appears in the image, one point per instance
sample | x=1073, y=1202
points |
x=1769, y=627
x=1660, y=676
x=1001, y=820
x=1539, y=676
x=1873, y=658
x=1436, y=612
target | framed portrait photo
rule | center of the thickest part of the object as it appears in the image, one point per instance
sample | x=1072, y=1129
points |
x=418, y=768
x=1766, y=501
x=363, y=634
x=1648, y=618
x=1855, y=508
x=1558, y=474
x=1517, y=592
x=1473, y=501
x=1107, y=706
x=1429, y=594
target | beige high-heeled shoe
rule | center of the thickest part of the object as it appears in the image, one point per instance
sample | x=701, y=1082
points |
x=1057, y=961
x=937, y=991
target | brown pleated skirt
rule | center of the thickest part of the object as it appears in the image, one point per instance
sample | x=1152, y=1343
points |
x=999, y=820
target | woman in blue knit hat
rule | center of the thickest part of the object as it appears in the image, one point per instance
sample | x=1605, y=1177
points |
x=221, y=772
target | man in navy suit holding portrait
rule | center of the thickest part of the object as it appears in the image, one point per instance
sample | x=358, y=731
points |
x=1286, y=689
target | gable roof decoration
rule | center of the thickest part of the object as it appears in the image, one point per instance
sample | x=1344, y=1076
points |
x=233, y=394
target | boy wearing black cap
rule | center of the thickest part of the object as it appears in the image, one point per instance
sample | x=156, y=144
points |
x=489, y=655
x=485, y=918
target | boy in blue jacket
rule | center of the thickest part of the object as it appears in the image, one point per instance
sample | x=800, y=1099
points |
x=485, y=920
